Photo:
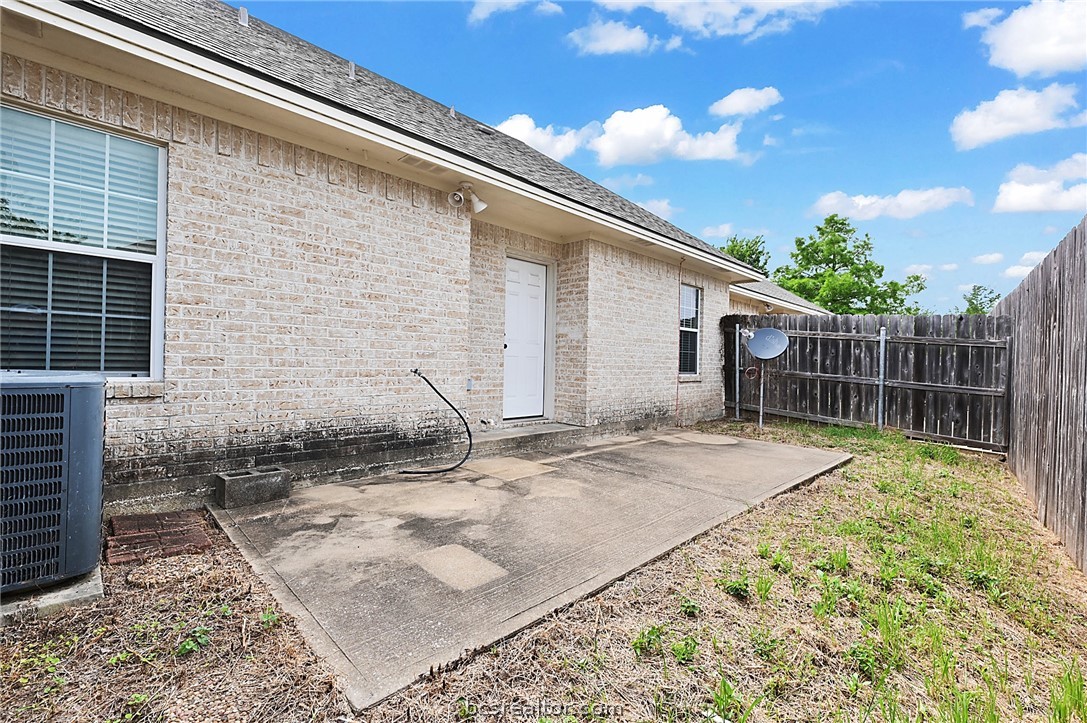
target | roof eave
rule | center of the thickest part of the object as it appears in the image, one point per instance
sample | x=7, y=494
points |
x=775, y=301
x=199, y=66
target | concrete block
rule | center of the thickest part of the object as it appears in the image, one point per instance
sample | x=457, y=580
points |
x=252, y=486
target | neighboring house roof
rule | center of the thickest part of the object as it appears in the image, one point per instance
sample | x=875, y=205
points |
x=212, y=28
x=769, y=292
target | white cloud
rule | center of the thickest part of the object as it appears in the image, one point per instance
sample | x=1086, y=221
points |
x=769, y=140
x=483, y=9
x=661, y=207
x=1029, y=188
x=1050, y=230
x=1033, y=258
x=548, y=8
x=1016, y=272
x=1043, y=38
x=547, y=140
x=949, y=267
x=724, y=230
x=627, y=180
x=749, y=18
x=747, y=101
x=1016, y=112
x=981, y=18
x=905, y=204
x=965, y=287
x=986, y=259
x=647, y=135
x=923, y=269
x=607, y=37
x=674, y=43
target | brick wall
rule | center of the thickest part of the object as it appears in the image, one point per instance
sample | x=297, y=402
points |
x=301, y=288
x=740, y=305
x=634, y=339
x=491, y=245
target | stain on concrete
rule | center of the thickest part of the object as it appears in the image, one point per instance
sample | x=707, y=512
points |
x=713, y=439
x=508, y=468
x=550, y=486
x=458, y=567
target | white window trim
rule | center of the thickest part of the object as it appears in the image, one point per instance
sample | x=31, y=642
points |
x=697, y=330
x=157, y=261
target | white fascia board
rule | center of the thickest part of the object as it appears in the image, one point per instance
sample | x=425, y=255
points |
x=94, y=27
x=767, y=299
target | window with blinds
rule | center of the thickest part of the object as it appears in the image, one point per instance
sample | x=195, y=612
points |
x=689, y=302
x=80, y=247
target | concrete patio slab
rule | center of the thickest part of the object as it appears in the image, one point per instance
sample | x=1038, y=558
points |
x=392, y=577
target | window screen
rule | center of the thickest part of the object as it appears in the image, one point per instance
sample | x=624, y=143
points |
x=689, y=303
x=79, y=220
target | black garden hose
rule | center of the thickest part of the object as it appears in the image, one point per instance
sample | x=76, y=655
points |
x=468, y=429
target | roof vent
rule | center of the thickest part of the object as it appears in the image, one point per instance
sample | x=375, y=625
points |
x=351, y=70
x=485, y=130
x=243, y=17
x=422, y=165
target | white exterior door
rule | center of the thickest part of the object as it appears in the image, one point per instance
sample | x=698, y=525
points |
x=526, y=306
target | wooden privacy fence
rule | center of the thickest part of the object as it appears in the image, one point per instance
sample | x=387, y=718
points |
x=944, y=377
x=1048, y=451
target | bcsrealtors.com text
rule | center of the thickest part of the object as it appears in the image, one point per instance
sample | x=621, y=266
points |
x=537, y=709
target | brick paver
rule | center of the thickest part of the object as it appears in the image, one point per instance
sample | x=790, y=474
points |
x=139, y=537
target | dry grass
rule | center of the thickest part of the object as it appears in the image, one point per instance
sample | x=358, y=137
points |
x=913, y=584
x=188, y=638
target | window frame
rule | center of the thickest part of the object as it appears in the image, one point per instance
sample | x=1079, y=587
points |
x=697, y=330
x=157, y=261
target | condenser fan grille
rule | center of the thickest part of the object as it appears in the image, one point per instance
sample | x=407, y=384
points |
x=34, y=464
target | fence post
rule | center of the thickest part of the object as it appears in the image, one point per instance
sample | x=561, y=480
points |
x=882, y=374
x=737, y=398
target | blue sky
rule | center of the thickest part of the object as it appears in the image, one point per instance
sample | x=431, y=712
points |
x=955, y=134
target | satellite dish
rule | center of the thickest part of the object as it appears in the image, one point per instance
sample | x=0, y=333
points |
x=767, y=344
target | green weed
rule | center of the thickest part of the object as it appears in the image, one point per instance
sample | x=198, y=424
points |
x=763, y=584
x=689, y=607
x=648, y=641
x=269, y=618
x=764, y=643
x=685, y=649
x=781, y=562
x=1067, y=696
x=737, y=587
x=726, y=703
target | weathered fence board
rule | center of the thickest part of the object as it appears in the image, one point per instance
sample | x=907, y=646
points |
x=1048, y=450
x=946, y=377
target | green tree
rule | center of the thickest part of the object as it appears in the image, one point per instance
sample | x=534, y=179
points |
x=752, y=251
x=833, y=268
x=979, y=300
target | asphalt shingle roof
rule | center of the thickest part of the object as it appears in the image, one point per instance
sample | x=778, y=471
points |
x=212, y=28
x=769, y=288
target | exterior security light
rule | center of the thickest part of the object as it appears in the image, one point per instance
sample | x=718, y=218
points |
x=465, y=193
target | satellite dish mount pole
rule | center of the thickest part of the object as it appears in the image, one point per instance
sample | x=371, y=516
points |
x=765, y=344
x=762, y=388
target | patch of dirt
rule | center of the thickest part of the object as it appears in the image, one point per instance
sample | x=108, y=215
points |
x=194, y=637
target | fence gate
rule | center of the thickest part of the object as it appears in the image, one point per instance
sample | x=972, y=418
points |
x=944, y=377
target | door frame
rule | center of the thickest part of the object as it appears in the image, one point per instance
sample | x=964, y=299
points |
x=549, y=326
